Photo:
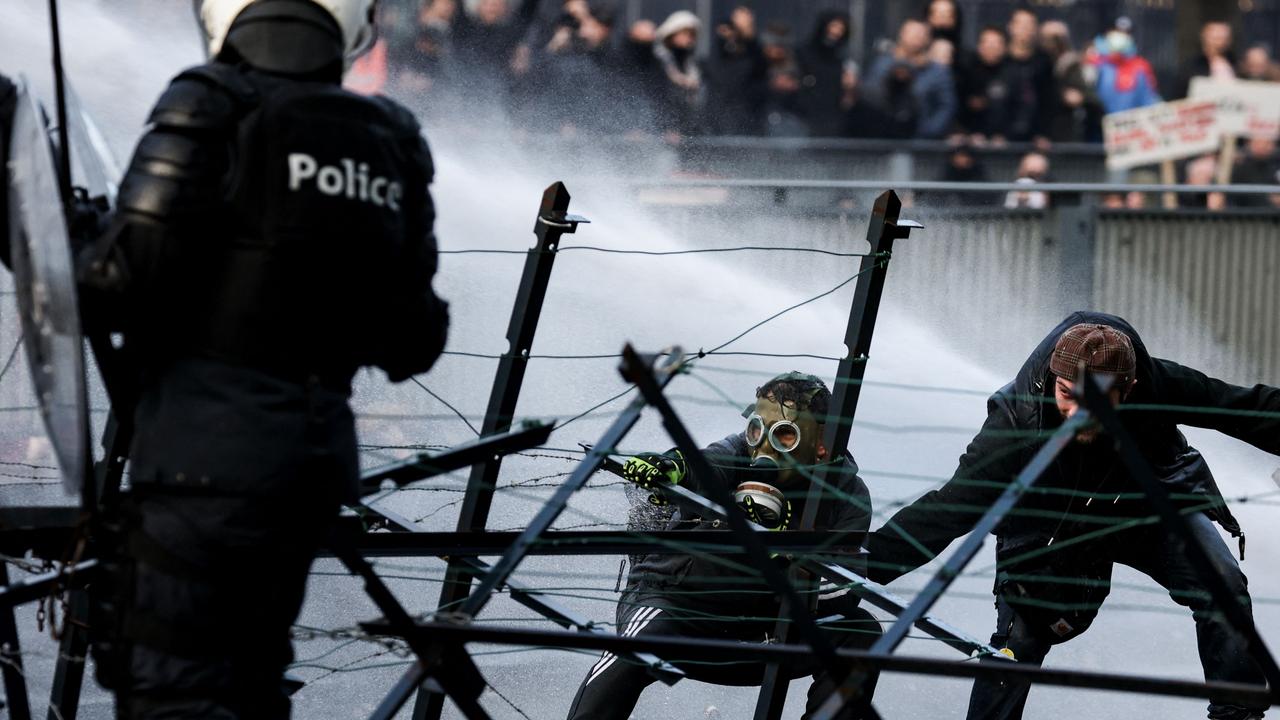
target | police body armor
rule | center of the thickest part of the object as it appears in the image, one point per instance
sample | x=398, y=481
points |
x=272, y=234
x=296, y=229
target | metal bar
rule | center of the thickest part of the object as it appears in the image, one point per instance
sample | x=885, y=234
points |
x=461, y=681
x=407, y=684
x=834, y=572
x=651, y=390
x=873, y=268
x=578, y=542
x=877, y=595
x=550, y=511
x=529, y=597
x=700, y=649
x=481, y=450
x=553, y=221
x=38, y=586
x=15, y=682
x=116, y=438
x=1093, y=397
x=60, y=98
x=925, y=185
x=873, y=145
x=964, y=554
x=556, y=504
x=68, y=675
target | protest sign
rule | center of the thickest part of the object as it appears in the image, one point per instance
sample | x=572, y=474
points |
x=1156, y=133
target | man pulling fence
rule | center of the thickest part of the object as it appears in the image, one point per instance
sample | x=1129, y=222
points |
x=706, y=596
x=1056, y=550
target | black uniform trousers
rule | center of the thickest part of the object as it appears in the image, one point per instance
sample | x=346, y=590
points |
x=1151, y=550
x=211, y=563
x=613, y=685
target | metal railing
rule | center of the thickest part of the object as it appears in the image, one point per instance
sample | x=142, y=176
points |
x=1198, y=284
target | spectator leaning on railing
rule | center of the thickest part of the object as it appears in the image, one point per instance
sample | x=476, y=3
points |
x=1202, y=170
x=1079, y=114
x=737, y=77
x=575, y=72
x=929, y=84
x=1033, y=168
x=862, y=119
x=1257, y=65
x=1032, y=88
x=683, y=97
x=984, y=86
x=1259, y=166
x=782, y=88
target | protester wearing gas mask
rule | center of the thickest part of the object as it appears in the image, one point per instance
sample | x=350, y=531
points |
x=768, y=467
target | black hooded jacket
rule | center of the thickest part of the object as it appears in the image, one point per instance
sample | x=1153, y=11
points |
x=703, y=580
x=821, y=69
x=1022, y=415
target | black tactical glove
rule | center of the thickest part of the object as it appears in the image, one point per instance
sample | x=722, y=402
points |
x=650, y=470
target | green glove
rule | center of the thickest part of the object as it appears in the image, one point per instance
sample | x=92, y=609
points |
x=765, y=517
x=650, y=470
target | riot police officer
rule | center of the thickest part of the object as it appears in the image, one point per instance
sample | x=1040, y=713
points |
x=273, y=234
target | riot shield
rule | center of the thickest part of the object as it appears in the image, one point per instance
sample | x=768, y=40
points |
x=95, y=168
x=44, y=277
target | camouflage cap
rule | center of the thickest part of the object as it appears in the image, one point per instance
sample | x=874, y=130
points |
x=1102, y=348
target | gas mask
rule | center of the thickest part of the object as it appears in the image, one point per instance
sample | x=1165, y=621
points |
x=761, y=496
x=782, y=436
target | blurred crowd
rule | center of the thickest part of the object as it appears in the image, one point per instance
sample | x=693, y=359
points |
x=1025, y=80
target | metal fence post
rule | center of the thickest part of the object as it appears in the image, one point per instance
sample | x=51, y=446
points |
x=68, y=676
x=15, y=682
x=883, y=229
x=1073, y=223
x=553, y=221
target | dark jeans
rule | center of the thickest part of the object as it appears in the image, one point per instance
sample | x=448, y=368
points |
x=1150, y=550
x=613, y=685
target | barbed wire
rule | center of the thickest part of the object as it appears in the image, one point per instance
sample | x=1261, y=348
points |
x=518, y=489
x=8, y=363
x=457, y=413
x=618, y=251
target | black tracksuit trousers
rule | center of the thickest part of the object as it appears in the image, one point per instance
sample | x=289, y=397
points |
x=613, y=685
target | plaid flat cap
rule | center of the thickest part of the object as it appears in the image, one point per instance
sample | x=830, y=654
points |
x=1102, y=348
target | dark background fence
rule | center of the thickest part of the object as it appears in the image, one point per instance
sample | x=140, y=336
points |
x=1200, y=286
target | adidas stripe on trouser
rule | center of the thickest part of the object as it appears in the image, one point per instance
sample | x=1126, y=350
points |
x=613, y=685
